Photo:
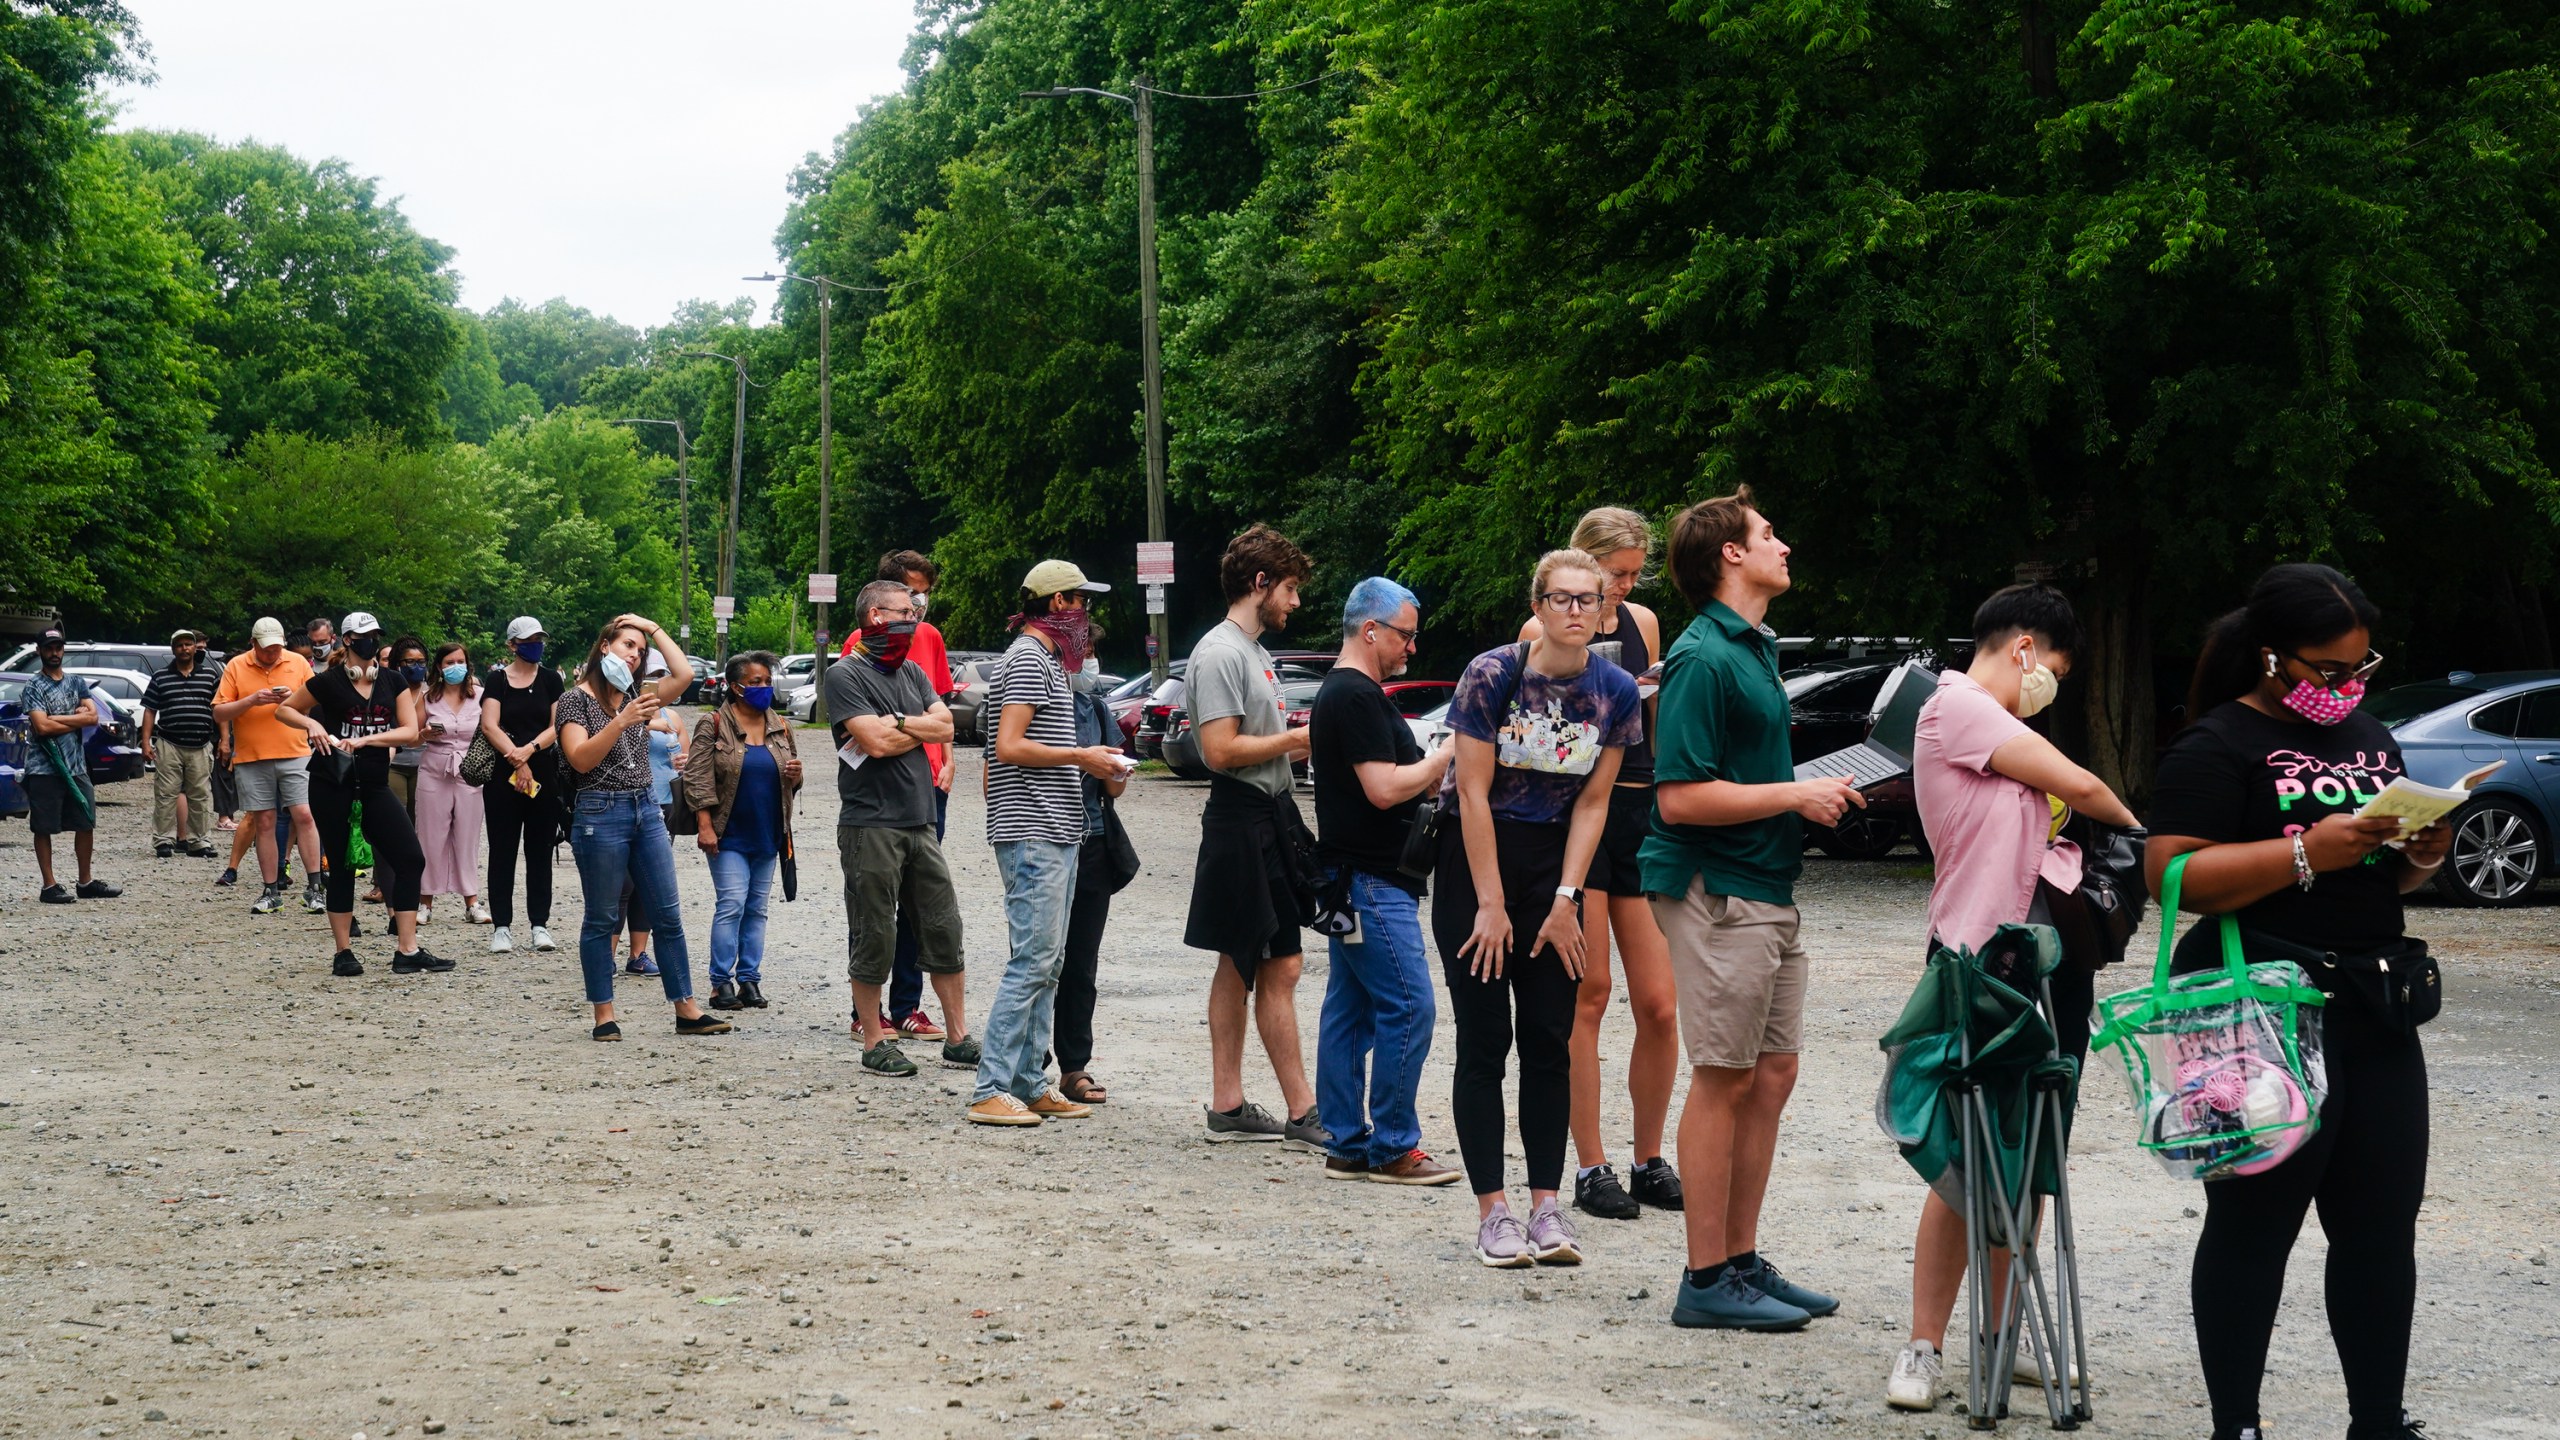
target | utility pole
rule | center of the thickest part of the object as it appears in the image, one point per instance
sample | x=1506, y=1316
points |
x=826, y=286
x=684, y=530
x=737, y=458
x=1151, y=356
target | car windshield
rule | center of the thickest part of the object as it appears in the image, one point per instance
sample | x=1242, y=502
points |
x=2401, y=704
x=1130, y=689
x=117, y=686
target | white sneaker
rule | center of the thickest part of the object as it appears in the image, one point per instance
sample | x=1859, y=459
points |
x=1914, y=1382
x=2026, y=1370
x=542, y=939
x=426, y=912
x=475, y=912
x=500, y=942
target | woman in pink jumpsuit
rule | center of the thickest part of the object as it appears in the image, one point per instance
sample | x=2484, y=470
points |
x=448, y=811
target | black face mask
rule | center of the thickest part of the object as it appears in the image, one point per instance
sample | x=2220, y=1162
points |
x=364, y=647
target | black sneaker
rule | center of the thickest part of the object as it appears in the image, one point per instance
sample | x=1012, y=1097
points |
x=98, y=890
x=1597, y=1192
x=230, y=874
x=1656, y=1184
x=164, y=850
x=417, y=960
x=55, y=895
x=346, y=964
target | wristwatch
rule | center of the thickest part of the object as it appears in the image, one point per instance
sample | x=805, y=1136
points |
x=1569, y=892
x=899, y=720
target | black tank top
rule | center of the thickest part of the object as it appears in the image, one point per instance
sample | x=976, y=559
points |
x=352, y=716
x=1637, y=766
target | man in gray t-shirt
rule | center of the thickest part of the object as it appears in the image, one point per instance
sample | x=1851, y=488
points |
x=885, y=713
x=1244, y=889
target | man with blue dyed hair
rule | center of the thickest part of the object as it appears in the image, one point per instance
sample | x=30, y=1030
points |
x=1370, y=776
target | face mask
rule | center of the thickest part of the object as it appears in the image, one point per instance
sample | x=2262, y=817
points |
x=2036, y=688
x=415, y=673
x=1070, y=630
x=617, y=671
x=529, y=651
x=756, y=697
x=456, y=674
x=886, y=645
x=2321, y=705
x=922, y=601
x=364, y=647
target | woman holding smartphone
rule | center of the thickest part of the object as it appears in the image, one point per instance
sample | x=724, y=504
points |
x=516, y=703
x=448, y=812
x=1541, y=731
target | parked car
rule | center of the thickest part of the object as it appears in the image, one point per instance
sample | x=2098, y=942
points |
x=1298, y=685
x=1831, y=707
x=707, y=687
x=1156, y=716
x=970, y=670
x=114, y=745
x=2503, y=837
x=1125, y=700
x=122, y=687
x=142, y=660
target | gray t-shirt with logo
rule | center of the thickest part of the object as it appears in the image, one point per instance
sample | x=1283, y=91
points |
x=1232, y=677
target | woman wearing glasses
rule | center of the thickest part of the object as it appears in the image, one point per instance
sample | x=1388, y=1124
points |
x=1541, y=732
x=2261, y=790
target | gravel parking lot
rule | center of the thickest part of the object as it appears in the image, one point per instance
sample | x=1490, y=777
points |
x=238, y=1197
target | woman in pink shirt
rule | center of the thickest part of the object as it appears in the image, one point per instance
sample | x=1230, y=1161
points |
x=448, y=810
x=1983, y=779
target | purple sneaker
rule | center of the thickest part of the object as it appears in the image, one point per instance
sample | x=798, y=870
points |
x=641, y=964
x=1500, y=1242
x=1551, y=1239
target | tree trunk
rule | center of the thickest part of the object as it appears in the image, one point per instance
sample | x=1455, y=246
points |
x=2119, y=700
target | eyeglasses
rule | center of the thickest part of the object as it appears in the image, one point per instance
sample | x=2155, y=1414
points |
x=1412, y=638
x=1568, y=600
x=2336, y=674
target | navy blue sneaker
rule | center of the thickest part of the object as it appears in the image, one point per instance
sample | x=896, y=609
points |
x=1733, y=1303
x=1769, y=1282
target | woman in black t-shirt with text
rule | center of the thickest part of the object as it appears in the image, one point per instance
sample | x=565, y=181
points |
x=366, y=710
x=2261, y=789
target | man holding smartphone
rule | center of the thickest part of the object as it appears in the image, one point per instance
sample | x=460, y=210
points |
x=271, y=758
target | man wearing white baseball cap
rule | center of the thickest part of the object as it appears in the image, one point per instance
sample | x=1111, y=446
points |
x=271, y=757
x=1036, y=821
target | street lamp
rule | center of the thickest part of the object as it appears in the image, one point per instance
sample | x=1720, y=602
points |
x=826, y=462
x=684, y=511
x=737, y=456
x=1151, y=358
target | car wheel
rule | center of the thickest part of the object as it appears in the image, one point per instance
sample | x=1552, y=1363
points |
x=1860, y=837
x=2498, y=854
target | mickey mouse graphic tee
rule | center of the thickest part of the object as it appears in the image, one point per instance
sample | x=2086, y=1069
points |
x=1547, y=733
x=2239, y=775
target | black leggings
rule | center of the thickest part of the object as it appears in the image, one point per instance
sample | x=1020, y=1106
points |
x=534, y=823
x=1073, y=1035
x=397, y=860
x=1532, y=1003
x=2366, y=1171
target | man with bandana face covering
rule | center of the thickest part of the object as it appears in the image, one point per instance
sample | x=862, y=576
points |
x=885, y=710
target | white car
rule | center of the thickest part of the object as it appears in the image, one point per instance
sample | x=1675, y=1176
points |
x=803, y=702
x=123, y=688
x=1430, y=727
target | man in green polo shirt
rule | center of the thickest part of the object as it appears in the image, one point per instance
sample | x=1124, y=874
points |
x=1720, y=869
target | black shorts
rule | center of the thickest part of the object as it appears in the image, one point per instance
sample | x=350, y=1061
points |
x=51, y=807
x=1614, y=870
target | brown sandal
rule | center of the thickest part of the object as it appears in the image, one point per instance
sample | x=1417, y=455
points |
x=1082, y=1088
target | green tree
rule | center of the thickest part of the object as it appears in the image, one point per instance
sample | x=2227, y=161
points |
x=553, y=347
x=478, y=401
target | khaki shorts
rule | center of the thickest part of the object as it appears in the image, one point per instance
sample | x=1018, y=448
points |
x=1739, y=969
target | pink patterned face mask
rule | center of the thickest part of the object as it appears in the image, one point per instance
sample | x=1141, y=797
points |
x=2321, y=705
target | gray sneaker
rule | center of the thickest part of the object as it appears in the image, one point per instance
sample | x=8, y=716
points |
x=1249, y=1122
x=1551, y=1239
x=315, y=896
x=961, y=1054
x=1500, y=1242
x=1733, y=1303
x=270, y=900
x=1305, y=1133
x=886, y=1058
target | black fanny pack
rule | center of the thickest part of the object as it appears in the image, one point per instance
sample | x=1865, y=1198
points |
x=2398, y=985
x=1421, y=849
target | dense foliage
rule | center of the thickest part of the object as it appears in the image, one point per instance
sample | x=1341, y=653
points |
x=2141, y=296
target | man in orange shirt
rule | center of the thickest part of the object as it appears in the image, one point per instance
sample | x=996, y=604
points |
x=906, y=979
x=271, y=757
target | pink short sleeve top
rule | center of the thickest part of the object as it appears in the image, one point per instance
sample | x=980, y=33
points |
x=1989, y=831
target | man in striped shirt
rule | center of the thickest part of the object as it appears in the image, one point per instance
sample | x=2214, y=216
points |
x=177, y=737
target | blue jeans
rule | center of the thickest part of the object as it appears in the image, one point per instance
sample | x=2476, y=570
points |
x=740, y=886
x=1378, y=1001
x=906, y=977
x=1039, y=895
x=620, y=835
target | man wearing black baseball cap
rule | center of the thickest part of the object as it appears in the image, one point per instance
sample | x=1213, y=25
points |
x=59, y=797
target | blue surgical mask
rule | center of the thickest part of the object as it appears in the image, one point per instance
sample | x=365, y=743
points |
x=756, y=697
x=617, y=671
x=529, y=651
x=415, y=674
x=456, y=674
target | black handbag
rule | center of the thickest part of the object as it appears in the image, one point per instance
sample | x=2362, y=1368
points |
x=2399, y=985
x=2097, y=919
x=1119, y=852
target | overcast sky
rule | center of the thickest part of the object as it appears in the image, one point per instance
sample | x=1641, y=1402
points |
x=628, y=154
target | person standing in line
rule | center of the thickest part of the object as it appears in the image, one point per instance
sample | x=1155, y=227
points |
x=906, y=979
x=522, y=803
x=741, y=774
x=615, y=829
x=271, y=761
x=1036, y=822
x=2260, y=791
x=1245, y=906
x=60, y=798
x=1540, y=732
x=448, y=811
x=405, y=660
x=1370, y=775
x=1982, y=778
x=1627, y=636
x=1719, y=869
x=666, y=761
x=882, y=706
x=359, y=711
x=178, y=731
x=1097, y=880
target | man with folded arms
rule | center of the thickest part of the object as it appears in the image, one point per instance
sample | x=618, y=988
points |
x=177, y=738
